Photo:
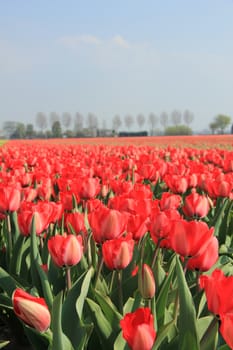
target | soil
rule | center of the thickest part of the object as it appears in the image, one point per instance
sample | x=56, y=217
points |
x=7, y=335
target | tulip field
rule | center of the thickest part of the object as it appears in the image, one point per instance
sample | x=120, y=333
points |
x=117, y=243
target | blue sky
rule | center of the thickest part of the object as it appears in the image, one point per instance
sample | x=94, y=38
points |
x=116, y=57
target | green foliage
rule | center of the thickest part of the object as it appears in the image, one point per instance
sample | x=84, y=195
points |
x=178, y=130
x=56, y=129
x=220, y=123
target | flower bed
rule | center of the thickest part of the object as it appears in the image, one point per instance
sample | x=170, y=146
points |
x=117, y=246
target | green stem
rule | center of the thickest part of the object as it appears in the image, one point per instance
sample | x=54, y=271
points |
x=9, y=234
x=112, y=281
x=101, y=261
x=68, y=278
x=119, y=275
x=156, y=254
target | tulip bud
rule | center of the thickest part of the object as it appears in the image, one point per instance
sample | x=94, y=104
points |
x=146, y=282
x=31, y=310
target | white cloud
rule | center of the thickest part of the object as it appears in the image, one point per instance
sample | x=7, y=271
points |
x=75, y=41
x=120, y=41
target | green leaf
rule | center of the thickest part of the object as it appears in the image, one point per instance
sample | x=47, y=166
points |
x=37, y=340
x=47, y=293
x=102, y=326
x=72, y=323
x=35, y=257
x=83, y=293
x=224, y=347
x=224, y=224
x=109, y=309
x=133, y=303
x=39, y=277
x=60, y=340
x=17, y=253
x=162, y=334
x=120, y=343
x=207, y=328
x=4, y=343
x=219, y=215
x=188, y=336
x=162, y=298
x=5, y=301
x=7, y=283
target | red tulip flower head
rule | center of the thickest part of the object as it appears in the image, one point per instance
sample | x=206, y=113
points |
x=107, y=224
x=31, y=310
x=66, y=250
x=190, y=238
x=205, y=260
x=75, y=222
x=118, y=252
x=219, y=290
x=9, y=198
x=196, y=204
x=138, y=329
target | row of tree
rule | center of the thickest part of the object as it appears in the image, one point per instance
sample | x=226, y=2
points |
x=91, y=120
x=78, y=126
x=55, y=125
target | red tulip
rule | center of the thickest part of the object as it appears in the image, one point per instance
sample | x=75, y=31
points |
x=32, y=310
x=43, y=212
x=118, y=252
x=205, y=260
x=190, y=238
x=138, y=329
x=107, y=224
x=161, y=224
x=9, y=198
x=66, y=250
x=137, y=225
x=89, y=188
x=196, y=205
x=76, y=221
x=226, y=326
x=177, y=183
x=169, y=201
x=219, y=290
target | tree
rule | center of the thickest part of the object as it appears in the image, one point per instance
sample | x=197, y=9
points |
x=152, y=120
x=116, y=123
x=128, y=121
x=66, y=119
x=9, y=128
x=176, y=117
x=20, y=131
x=188, y=117
x=141, y=120
x=30, y=133
x=92, y=123
x=54, y=117
x=178, y=130
x=164, y=119
x=41, y=121
x=56, y=129
x=213, y=127
x=78, y=122
x=222, y=121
